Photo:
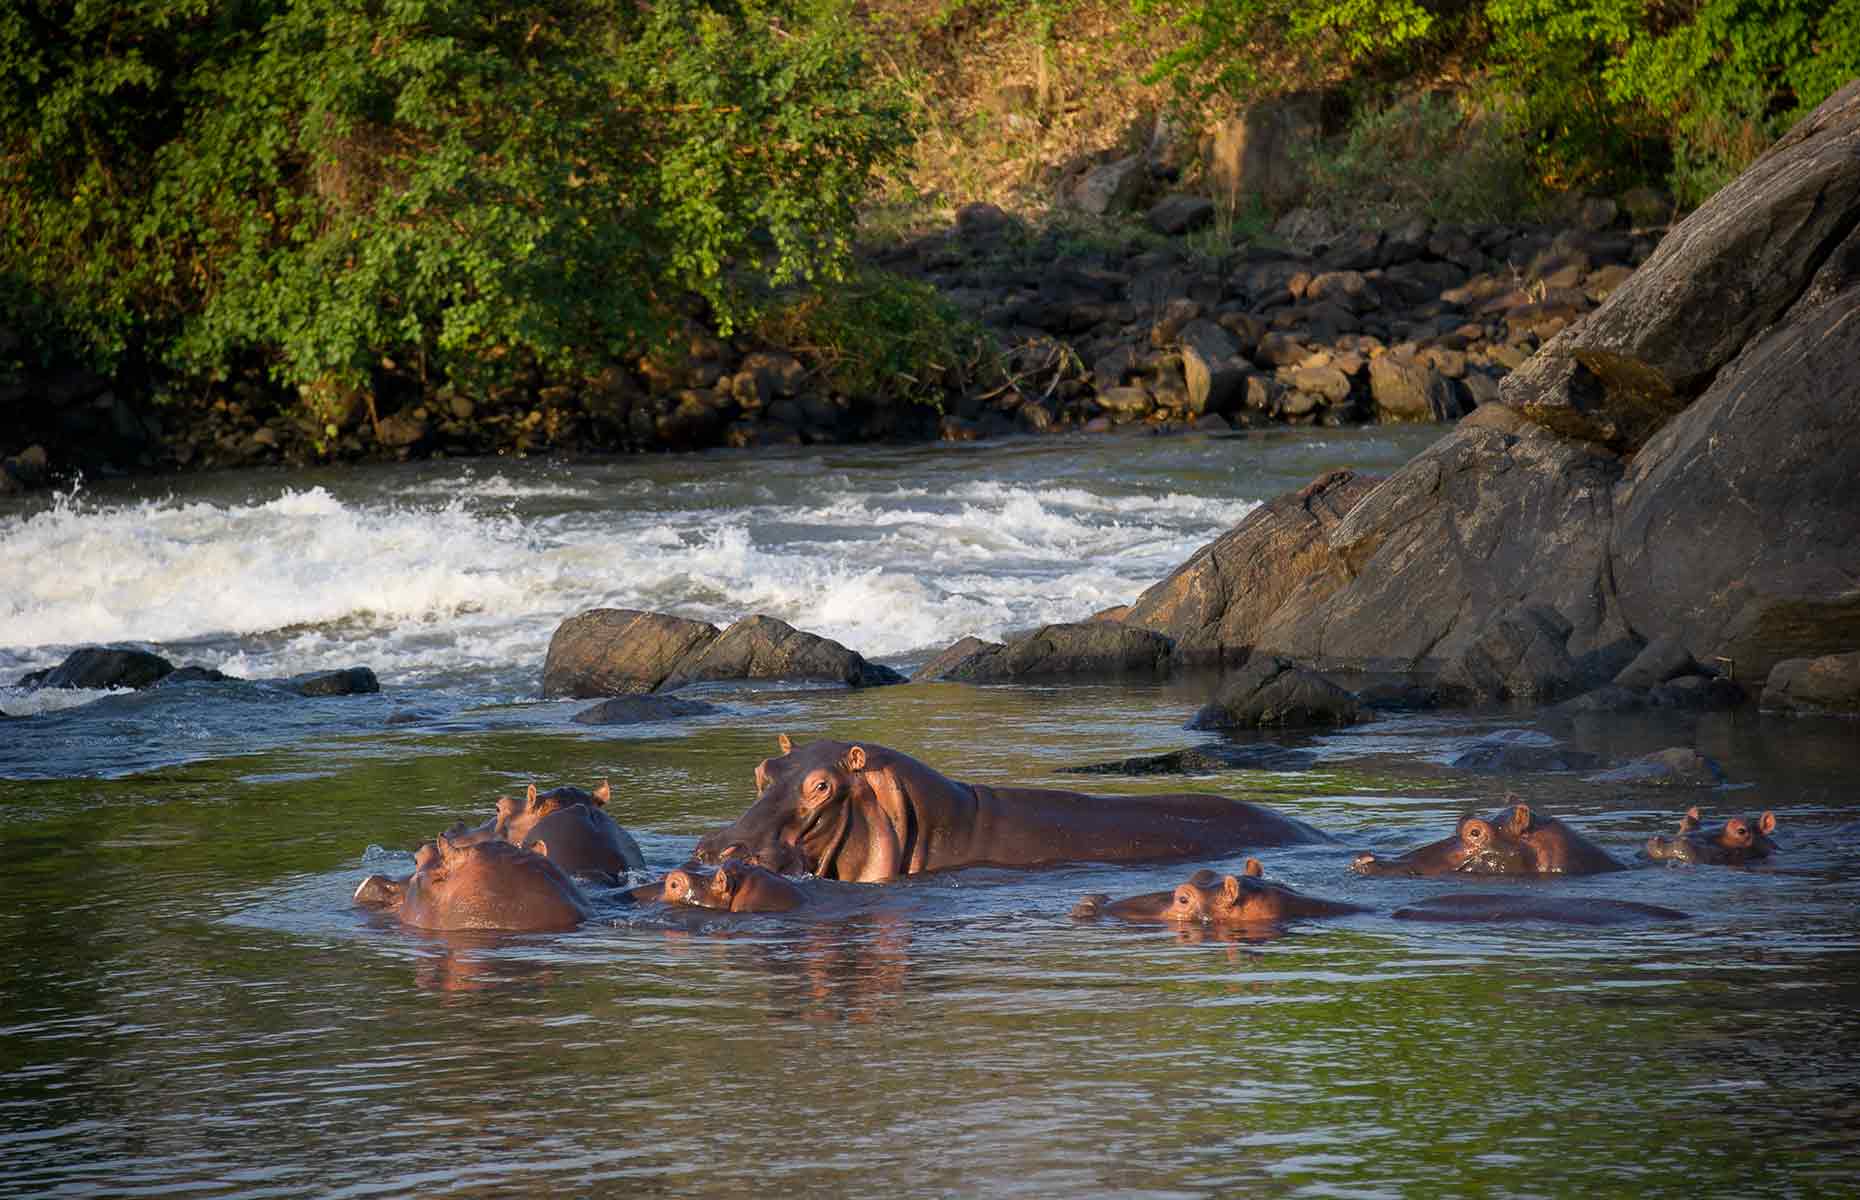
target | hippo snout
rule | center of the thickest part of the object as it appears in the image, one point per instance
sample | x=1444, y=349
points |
x=1364, y=862
x=1091, y=906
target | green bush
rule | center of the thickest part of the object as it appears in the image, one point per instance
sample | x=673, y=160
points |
x=880, y=336
x=331, y=190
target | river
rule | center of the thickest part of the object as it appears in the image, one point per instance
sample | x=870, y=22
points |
x=190, y=1005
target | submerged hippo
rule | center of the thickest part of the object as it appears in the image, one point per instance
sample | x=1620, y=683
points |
x=1244, y=899
x=732, y=887
x=867, y=814
x=1562, y=910
x=572, y=822
x=484, y=885
x=1739, y=840
x=1513, y=841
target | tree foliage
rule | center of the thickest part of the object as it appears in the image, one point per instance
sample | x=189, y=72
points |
x=1602, y=91
x=443, y=189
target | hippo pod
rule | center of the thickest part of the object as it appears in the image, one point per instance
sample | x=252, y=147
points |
x=1739, y=840
x=734, y=886
x=1513, y=841
x=866, y=814
x=1244, y=899
x=482, y=885
x=567, y=824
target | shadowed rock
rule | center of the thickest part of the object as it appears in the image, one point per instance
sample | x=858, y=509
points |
x=764, y=648
x=102, y=667
x=642, y=710
x=1085, y=649
x=351, y=681
x=1829, y=684
x=1269, y=691
x=618, y=651
x=1202, y=759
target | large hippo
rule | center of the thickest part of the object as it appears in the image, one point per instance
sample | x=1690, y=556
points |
x=1737, y=841
x=572, y=826
x=1561, y=910
x=1244, y=899
x=1513, y=841
x=867, y=814
x=483, y=885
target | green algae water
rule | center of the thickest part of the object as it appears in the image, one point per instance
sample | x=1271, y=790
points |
x=189, y=1004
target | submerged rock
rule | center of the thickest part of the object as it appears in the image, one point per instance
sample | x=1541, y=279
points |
x=1270, y=691
x=102, y=667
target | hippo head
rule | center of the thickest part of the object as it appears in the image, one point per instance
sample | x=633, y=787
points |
x=479, y=885
x=1244, y=899
x=1738, y=840
x=1480, y=846
x=516, y=818
x=735, y=886
x=810, y=803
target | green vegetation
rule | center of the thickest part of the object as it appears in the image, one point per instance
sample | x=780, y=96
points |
x=340, y=194
x=323, y=203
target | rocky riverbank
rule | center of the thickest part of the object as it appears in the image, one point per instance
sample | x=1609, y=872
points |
x=1134, y=327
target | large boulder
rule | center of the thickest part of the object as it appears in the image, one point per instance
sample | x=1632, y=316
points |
x=1215, y=604
x=1716, y=281
x=764, y=648
x=1258, y=155
x=1496, y=515
x=618, y=651
x=1081, y=650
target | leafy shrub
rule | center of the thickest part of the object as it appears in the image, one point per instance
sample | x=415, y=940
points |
x=331, y=190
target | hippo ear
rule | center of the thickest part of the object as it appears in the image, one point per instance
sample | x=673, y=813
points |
x=531, y=795
x=603, y=794
x=786, y=743
x=1520, y=818
x=855, y=758
x=1766, y=824
x=1230, y=889
x=1253, y=868
x=1691, y=820
x=537, y=846
x=722, y=885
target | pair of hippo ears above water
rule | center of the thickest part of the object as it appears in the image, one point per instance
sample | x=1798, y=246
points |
x=1516, y=822
x=1735, y=828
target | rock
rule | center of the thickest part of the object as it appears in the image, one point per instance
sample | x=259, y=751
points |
x=1111, y=187
x=97, y=667
x=618, y=651
x=642, y=710
x=1214, y=605
x=1258, y=154
x=1679, y=766
x=404, y=429
x=761, y=647
x=1520, y=654
x=1084, y=649
x=186, y=675
x=1734, y=529
x=1664, y=658
x=1261, y=756
x=1270, y=691
x=1646, y=206
x=953, y=658
x=1495, y=514
x=1127, y=402
x=1829, y=684
x=1179, y=214
x=1727, y=272
x=350, y=681
x=978, y=221
x=1697, y=692
x=1212, y=368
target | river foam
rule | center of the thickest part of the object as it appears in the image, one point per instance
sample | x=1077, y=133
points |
x=463, y=573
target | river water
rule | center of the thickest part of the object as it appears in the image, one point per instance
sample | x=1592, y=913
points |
x=190, y=1006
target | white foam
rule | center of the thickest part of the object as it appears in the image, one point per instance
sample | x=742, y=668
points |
x=446, y=580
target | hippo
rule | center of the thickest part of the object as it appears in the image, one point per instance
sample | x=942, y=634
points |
x=1562, y=910
x=573, y=823
x=866, y=814
x=1245, y=899
x=1739, y=840
x=733, y=887
x=1513, y=841
x=480, y=885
